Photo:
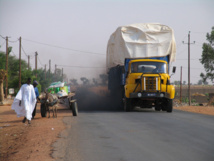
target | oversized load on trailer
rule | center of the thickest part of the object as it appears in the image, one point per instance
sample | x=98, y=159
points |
x=134, y=53
x=140, y=41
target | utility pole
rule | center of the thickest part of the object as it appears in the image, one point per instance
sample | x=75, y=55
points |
x=20, y=46
x=36, y=62
x=181, y=86
x=28, y=65
x=189, y=95
x=62, y=74
x=45, y=71
x=55, y=71
x=49, y=66
x=6, y=68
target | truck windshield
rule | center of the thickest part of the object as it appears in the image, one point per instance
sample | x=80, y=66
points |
x=148, y=67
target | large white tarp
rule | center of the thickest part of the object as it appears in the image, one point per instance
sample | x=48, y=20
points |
x=140, y=41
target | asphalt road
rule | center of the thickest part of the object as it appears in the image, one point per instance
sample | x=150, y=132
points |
x=137, y=136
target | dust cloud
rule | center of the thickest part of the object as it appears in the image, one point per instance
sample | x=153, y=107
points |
x=96, y=98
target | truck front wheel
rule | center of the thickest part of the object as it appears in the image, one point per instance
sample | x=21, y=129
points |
x=169, y=105
x=157, y=106
x=127, y=105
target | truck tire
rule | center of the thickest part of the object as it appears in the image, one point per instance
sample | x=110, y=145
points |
x=74, y=108
x=157, y=106
x=169, y=105
x=127, y=105
x=43, y=110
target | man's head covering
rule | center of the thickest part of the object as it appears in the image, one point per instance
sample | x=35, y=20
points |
x=35, y=82
x=29, y=81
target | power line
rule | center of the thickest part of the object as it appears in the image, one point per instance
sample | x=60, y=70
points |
x=199, y=45
x=64, y=48
x=40, y=61
x=194, y=68
x=3, y=43
x=179, y=45
x=24, y=51
x=190, y=59
x=196, y=76
x=80, y=66
x=199, y=42
x=199, y=32
x=181, y=51
x=13, y=41
x=3, y=37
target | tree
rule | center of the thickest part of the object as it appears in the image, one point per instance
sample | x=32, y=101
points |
x=177, y=82
x=207, y=58
x=13, y=73
x=2, y=76
x=84, y=80
x=74, y=82
x=95, y=81
x=201, y=82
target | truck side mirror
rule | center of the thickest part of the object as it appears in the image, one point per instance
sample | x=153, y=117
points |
x=173, y=69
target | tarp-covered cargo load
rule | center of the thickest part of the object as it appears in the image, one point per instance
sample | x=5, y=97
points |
x=140, y=41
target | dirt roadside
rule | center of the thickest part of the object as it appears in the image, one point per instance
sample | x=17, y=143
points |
x=33, y=142
x=20, y=141
x=207, y=110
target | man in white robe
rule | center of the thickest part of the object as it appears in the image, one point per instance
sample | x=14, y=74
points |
x=24, y=102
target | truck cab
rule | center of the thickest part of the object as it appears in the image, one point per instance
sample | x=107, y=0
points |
x=147, y=85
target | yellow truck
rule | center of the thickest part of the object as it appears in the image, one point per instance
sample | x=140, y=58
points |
x=148, y=84
x=138, y=61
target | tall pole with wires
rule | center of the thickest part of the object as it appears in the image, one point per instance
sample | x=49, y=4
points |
x=45, y=71
x=55, y=71
x=62, y=75
x=20, y=46
x=6, y=68
x=181, y=85
x=28, y=64
x=36, y=54
x=189, y=93
x=49, y=67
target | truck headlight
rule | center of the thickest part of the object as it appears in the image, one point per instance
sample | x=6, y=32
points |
x=139, y=94
x=161, y=95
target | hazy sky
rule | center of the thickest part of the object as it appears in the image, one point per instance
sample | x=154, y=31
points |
x=74, y=33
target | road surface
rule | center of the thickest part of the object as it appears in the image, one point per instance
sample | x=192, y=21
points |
x=145, y=135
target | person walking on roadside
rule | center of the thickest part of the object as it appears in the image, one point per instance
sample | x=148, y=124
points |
x=24, y=102
x=35, y=83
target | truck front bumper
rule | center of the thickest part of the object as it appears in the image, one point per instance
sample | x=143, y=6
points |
x=150, y=95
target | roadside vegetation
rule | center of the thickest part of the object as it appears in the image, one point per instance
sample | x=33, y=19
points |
x=44, y=78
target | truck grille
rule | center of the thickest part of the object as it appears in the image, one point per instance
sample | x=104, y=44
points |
x=150, y=84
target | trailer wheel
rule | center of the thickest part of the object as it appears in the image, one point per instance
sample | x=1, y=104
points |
x=43, y=110
x=127, y=105
x=169, y=105
x=74, y=108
